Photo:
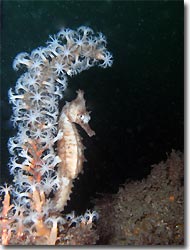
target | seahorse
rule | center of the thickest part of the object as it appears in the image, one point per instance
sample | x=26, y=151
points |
x=70, y=148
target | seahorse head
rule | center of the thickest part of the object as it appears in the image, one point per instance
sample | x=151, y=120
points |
x=77, y=113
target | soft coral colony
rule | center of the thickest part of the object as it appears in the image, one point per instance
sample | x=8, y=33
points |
x=47, y=152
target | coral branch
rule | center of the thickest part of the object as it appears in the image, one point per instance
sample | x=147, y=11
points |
x=47, y=152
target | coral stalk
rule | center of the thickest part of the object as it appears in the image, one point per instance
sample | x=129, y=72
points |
x=47, y=152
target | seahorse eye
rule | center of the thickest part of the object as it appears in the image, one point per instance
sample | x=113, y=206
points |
x=85, y=118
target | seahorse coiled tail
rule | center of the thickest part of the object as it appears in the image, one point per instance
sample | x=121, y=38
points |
x=70, y=148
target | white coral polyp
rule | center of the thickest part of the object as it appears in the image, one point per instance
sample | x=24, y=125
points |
x=35, y=114
x=38, y=91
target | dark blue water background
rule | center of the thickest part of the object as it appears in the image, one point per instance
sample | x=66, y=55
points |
x=137, y=105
